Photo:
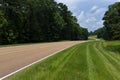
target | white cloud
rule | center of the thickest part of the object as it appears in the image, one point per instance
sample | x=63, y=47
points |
x=89, y=12
x=75, y=1
x=81, y=16
x=100, y=22
x=113, y=0
x=100, y=11
x=118, y=0
x=89, y=19
x=69, y=1
x=93, y=8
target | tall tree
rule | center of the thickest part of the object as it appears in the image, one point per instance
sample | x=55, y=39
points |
x=29, y=21
x=3, y=33
x=112, y=21
x=101, y=33
x=72, y=30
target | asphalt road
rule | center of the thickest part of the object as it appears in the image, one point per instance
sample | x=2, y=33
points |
x=15, y=57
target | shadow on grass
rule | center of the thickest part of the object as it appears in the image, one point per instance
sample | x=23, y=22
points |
x=114, y=48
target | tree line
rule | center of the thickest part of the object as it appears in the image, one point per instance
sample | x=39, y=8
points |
x=111, y=29
x=26, y=21
x=101, y=33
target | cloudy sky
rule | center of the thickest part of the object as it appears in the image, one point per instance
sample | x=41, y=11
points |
x=89, y=12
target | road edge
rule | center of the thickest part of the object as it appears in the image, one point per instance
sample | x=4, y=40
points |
x=8, y=75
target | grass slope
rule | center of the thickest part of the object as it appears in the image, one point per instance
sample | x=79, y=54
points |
x=93, y=37
x=87, y=61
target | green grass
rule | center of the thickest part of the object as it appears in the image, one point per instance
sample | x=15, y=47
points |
x=92, y=37
x=86, y=61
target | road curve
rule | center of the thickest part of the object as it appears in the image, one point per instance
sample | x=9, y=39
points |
x=15, y=57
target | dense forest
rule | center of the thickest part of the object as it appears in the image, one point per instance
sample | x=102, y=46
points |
x=112, y=21
x=111, y=29
x=26, y=21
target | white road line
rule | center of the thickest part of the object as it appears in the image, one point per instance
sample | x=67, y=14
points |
x=35, y=62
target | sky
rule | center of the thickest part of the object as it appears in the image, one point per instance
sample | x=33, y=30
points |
x=88, y=12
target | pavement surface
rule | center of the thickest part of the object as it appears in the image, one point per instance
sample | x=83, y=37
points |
x=15, y=57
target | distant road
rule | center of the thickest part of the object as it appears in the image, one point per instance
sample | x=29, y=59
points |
x=15, y=57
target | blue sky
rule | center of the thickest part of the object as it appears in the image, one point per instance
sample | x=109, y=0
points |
x=89, y=12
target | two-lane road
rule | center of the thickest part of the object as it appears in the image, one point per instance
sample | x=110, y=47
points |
x=16, y=57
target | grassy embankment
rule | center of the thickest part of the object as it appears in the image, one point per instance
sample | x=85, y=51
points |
x=97, y=60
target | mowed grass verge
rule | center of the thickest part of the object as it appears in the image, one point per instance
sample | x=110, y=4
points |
x=95, y=60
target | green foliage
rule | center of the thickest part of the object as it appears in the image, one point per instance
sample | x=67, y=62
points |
x=101, y=33
x=112, y=21
x=3, y=33
x=91, y=33
x=37, y=21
